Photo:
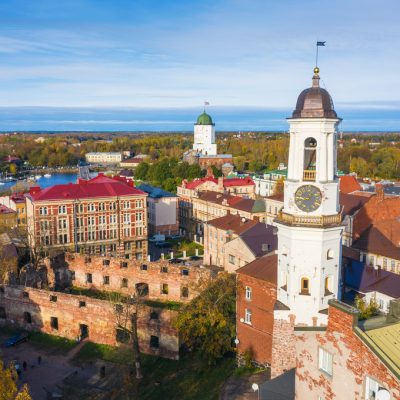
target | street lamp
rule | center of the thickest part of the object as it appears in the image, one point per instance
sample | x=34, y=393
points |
x=256, y=388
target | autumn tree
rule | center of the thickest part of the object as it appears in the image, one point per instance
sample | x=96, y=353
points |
x=8, y=386
x=207, y=323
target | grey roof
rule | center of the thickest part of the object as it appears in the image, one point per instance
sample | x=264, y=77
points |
x=260, y=239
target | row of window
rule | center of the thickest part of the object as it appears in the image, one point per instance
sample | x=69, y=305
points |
x=91, y=207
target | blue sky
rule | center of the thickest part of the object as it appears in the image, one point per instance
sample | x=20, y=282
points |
x=178, y=53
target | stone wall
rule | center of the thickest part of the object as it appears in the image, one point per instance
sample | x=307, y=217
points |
x=99, y=316
x=123, y=276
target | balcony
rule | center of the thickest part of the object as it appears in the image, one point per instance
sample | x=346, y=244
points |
x=309, y=220
x=309, y=175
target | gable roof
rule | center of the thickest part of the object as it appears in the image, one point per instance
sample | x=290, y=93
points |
x=382, y=238
x=349, y=184
x=258, y=236
x=365, y=279
x=155, y=192
x=234, y=223
x=227, y=182
x=351, y=203
x=264, y=268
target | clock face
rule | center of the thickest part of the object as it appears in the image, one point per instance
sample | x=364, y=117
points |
x=308, y=198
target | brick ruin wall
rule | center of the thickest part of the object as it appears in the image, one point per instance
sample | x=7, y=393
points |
x=182, y=281
x=98, y=315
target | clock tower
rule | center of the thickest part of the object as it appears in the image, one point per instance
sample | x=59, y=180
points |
x=309, y=225
x=204, y=136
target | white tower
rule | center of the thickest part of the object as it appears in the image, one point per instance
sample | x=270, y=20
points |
x=204, y=136
x=309, y=226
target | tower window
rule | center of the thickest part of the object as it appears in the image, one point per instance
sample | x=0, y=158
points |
x=310, y=158
x=305, y=286
x=328, y=286
x=329, y=254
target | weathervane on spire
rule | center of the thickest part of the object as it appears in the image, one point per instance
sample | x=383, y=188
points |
x=316, y=69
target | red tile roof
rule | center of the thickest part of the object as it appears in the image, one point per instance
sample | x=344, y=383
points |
x=349, y=184
x=234, y=223
x=264, y=268
x=100, y=186
x=199, y=181
x=382, y=238
x=351, y=203
x=6, y=210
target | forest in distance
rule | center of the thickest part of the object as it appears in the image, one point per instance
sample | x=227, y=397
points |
x=373, y=156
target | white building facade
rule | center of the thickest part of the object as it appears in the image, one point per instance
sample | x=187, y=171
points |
x=309, y=225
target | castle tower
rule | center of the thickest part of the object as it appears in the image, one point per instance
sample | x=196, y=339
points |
x=309, y=226
x=204, y=136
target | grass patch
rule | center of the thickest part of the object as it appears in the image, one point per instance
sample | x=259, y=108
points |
x=190, y=378
x=51, y=342
x=112, y=296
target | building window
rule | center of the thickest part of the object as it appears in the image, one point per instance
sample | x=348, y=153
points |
x=232, y=259
x=247, y=316
x=325, y=361
x=154, y=342
x=153, y=315
x=329, y=254
x=43, y=211
x=185, y=272
x=82, y=304
x=62, y=209
x=305, y=286
x=248, y=293
x=328, y=285
x=119, y=308
x=54, y=323
x=123, y=264
x=384, y=263
x=372, y=388
x=143, y=267
x=139, y=217
x=106, y=280
x=124, y=283
x=25, y=295
x=53, y=298
x=393, y=265
x=164, y=269
x=89, y=278
x=127, y=205
x=27, y=317
x=164, y=288
x=371, y=261
x=185, y=292
x=122, y=336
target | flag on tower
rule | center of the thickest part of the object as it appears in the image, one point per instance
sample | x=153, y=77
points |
x=321, y=43
x=206, y=103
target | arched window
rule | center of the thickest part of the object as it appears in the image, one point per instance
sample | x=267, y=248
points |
x=329, y=254
x=305, y=286
x=328, y=285
x=310, y=159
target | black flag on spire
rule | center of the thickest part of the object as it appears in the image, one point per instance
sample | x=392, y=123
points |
x=321, y=43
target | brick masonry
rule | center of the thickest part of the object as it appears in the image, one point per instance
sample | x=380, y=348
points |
x=182, y=281
x=353, y=362
x=99, y=316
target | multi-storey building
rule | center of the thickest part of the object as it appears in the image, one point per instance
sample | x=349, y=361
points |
x=162, y=210
x=100, y=216
x=265, y=184
x=103, y=158
x=8, y=217
x=16, y=202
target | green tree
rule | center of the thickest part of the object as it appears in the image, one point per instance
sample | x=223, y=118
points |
x=207, y=323
x=216, y=172
x=367, y=310
x=8, y=387
x=359, y=166
x=142, y=170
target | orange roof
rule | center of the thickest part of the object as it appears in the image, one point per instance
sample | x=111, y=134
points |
x=349, y=184
x=264, y=268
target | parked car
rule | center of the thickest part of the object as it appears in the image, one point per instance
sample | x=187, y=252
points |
x=157, y=238
x=163, y=245
x=175, y=261
x=194, y=258
x=16, y=339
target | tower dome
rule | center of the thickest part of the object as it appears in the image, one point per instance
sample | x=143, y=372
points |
x=314, y=102
x=204, y=119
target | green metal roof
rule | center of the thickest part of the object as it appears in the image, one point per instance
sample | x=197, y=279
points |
x=204, y=119
x=282, y=172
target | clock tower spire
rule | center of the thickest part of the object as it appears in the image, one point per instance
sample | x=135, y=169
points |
x=309, y=225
